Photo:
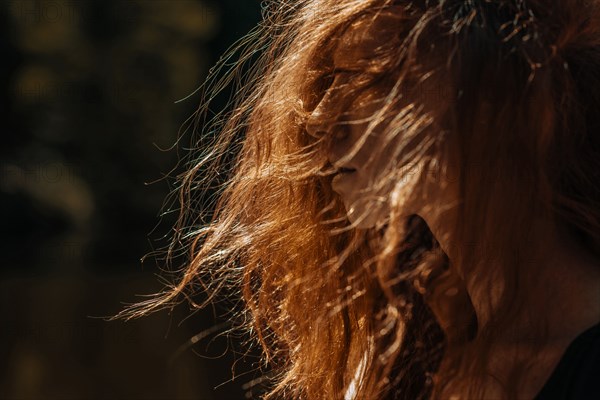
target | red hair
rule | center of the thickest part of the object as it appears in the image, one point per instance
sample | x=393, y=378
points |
x=518, y=97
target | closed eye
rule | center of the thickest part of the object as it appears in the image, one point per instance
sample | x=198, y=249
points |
x=337, y=71
x=343, y=71
x=326, y=81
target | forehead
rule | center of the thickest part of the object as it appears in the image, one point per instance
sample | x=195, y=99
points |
x=430, y=82
x=362, y=37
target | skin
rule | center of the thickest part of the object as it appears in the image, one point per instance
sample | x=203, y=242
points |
x=572, y=302
x=366, y=206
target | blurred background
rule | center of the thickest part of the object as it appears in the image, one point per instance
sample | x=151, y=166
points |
x=89, y=93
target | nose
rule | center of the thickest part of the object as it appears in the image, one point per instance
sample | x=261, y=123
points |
x=317, y=123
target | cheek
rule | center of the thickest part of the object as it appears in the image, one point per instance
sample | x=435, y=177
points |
x=377, y=157
x=362, y=209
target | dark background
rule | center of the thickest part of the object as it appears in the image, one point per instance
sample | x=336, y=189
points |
x=88, y=102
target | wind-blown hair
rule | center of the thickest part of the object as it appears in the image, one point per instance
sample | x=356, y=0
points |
x=340, y=311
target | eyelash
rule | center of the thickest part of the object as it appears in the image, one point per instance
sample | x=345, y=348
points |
x=339, y=72
x=343, y=71
x=327, y=79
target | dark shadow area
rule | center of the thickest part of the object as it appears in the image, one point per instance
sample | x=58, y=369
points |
x=89, y=94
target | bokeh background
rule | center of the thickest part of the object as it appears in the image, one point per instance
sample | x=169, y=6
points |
x=90, y=114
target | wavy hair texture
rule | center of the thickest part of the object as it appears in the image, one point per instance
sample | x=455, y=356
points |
x=353, y=313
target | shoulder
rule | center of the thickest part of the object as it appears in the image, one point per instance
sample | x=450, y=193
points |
x=577, y=375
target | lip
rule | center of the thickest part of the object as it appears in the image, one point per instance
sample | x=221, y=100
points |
x=343, y=180
x=345, y=170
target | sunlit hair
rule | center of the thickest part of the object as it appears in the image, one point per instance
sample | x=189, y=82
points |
x=340, y=311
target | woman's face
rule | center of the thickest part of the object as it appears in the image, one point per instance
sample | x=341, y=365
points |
x=346, y=119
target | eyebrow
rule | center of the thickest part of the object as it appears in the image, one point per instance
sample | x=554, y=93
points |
x=346, y=54
x=344, y=62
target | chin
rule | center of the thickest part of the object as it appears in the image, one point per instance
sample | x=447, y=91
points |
x=369, y=216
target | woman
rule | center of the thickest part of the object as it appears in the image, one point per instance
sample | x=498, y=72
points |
x=413, y=209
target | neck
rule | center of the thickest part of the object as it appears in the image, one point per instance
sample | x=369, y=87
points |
x=564, y=295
